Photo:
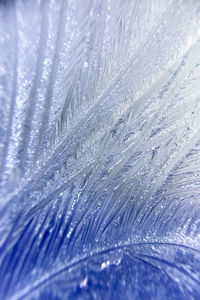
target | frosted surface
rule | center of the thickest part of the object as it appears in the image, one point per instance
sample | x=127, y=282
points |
x=100, y=149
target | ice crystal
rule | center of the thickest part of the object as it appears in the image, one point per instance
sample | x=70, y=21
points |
x=99, y=149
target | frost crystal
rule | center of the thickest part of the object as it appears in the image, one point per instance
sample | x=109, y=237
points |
x=99, y=149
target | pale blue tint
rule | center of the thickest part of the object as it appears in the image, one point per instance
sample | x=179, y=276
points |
x=99, y=149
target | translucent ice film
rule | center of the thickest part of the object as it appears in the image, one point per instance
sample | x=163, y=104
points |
x=99, y=149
